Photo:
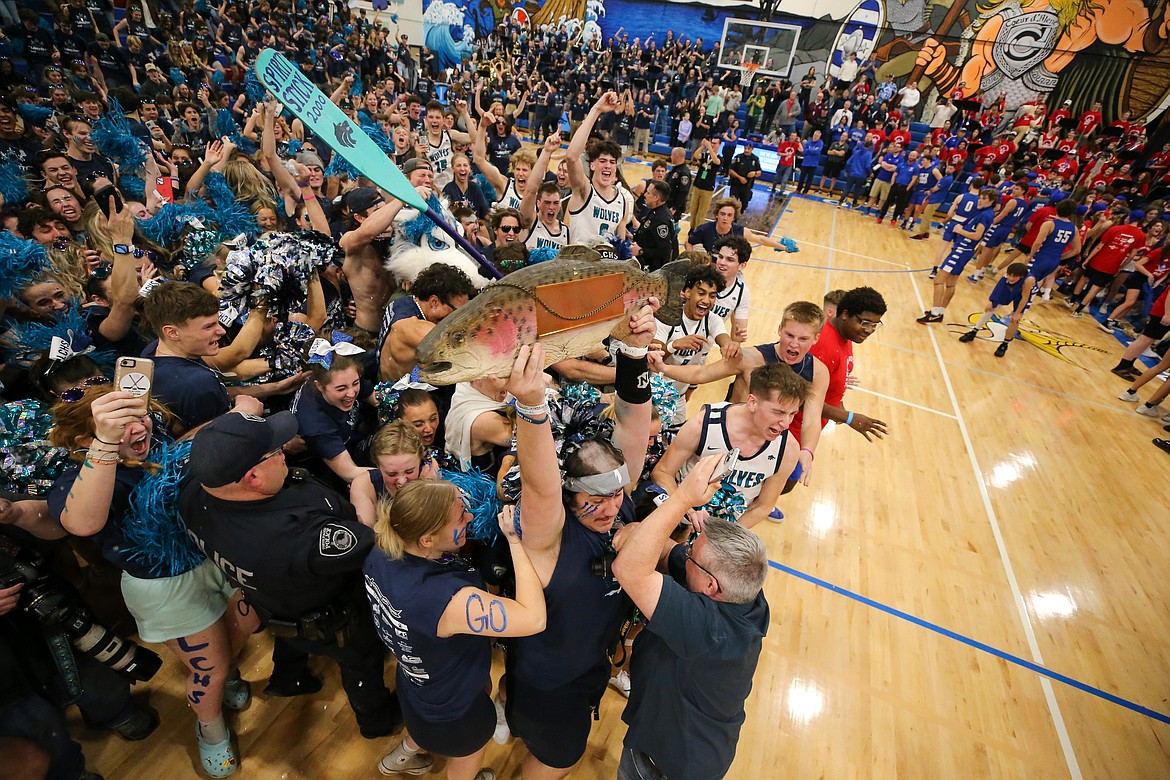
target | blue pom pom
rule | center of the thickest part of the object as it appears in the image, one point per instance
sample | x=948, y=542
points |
x=542, y=254
x=479, y=494
x=13, y=185
x=27, y=340
x=621, y=246
x=155, y=534
x=177, y=77
x=217, y=77
x=357, y=88
x=294, y=145
x=21, y=263
x=253, y=88
x=133, y=187
x=727, y=504
x=36, y=115
x=114, y=139
x=416, y=228
x=225, y=127
x=378, y=135
x=229, y=215
x=489, y=192
x=789, y=244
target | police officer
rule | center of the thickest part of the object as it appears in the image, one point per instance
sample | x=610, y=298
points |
x=296, y=550
x=656, y=240
x=745, y=169
x=679, y=178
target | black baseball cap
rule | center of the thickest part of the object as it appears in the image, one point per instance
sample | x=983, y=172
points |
x=231, y=445
x=362, y=199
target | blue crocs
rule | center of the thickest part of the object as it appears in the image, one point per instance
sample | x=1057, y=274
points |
x=218, y=759
x=775, y=515
x=236, y=693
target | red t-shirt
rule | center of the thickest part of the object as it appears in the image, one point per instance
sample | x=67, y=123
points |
x=901, y=135
x=1089, y=121
x=787, y=151
x=1116, y=244
x=794, y=428
x=1036, y=221
x=877, y=136
x=956, y=157
x=836, y=352
x=1067, y=145
x=1057, y=115
x=1066, y=167
x=1158, y=310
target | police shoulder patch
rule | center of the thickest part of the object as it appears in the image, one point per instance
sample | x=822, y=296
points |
x=663, y=231
x=336, y=540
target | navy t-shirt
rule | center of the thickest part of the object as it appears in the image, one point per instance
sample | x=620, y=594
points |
x=691, y=671
x=327, y=430
x=439, y=677
x=705, y=235
x=188, y=388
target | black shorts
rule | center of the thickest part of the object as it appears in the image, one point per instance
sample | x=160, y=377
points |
x=555, y=724
x=453, y=738
x=1135, y=281
x=1099, y=278
x=1155, y=329
x=833, y=169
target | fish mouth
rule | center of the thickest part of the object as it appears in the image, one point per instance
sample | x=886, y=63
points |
x=437, y=367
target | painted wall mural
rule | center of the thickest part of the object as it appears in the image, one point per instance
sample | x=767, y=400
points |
x=1112, y=51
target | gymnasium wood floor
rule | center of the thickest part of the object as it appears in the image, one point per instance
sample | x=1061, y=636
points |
x=1016, y=502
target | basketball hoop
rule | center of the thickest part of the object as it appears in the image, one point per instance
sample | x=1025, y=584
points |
x=749, y=73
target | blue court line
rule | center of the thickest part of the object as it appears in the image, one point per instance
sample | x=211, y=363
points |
x=784, y=208
x=1015, y=659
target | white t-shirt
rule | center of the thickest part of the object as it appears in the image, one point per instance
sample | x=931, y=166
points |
x=709, y=327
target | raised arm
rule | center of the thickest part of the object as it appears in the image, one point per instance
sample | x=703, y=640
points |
x=528, y=200
x=632, y=391
x=578, y=180
x=542, y=514
x=640, y=546
x=479, y=150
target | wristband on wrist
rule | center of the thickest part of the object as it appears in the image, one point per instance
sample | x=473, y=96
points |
x=532, y=420
x=849, y=419
x=633, y=352
x=107, y=443
x=632, y=380
x=533, y=411
x=811, y=454
x=308, y=196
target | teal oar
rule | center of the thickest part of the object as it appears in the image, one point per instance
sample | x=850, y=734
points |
x=309, y=104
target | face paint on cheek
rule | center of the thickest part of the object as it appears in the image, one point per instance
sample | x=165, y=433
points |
x=458, y=535
x=585, y=510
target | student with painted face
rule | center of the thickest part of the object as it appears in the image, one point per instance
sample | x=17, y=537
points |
x=555, y=680
x=433, y=610
x=399, y=457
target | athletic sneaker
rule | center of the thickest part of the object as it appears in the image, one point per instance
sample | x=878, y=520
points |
x=879, y=220
x=621, y=683
x=1071, y=302
x=976, y=277
x=927, y=318
x=1107, y=325
x=1046, y=294
x=933, y=273
x=969, y=336
x=139, y=724
x=1001, y=350
x=1150, y=353
x=1104, y=309
x=776, y=516
x=1145, y=410
x=400, y=762
x=1128, y=395
x=503, y=732
x=1128, y=374
x=1166, y=418
x=1162, y=444
x=1080, y=313
x=920, y=236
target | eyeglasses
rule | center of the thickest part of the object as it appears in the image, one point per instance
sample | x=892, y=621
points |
x=687, y=547
x=509, y=228
x=101, y=271
x=870, y=325
x=74, y=394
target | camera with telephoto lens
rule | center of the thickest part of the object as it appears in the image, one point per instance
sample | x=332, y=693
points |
x=602, y=565
x=58, y=611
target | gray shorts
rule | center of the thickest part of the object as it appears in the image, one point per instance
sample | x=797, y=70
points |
x=173, y=607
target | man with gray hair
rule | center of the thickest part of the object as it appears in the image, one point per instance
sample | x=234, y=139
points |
x=707, y=616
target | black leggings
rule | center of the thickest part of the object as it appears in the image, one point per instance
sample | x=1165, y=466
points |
x=899, y=198
x=806, y=177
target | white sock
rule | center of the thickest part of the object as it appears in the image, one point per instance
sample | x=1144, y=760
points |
x=405, y=748
x=214, y=732
x=937, y=311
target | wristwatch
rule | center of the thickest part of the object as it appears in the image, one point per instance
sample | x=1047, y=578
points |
x=123, y=249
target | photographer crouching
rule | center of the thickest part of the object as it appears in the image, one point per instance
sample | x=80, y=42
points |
x=707, y=616
x=53, y=655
